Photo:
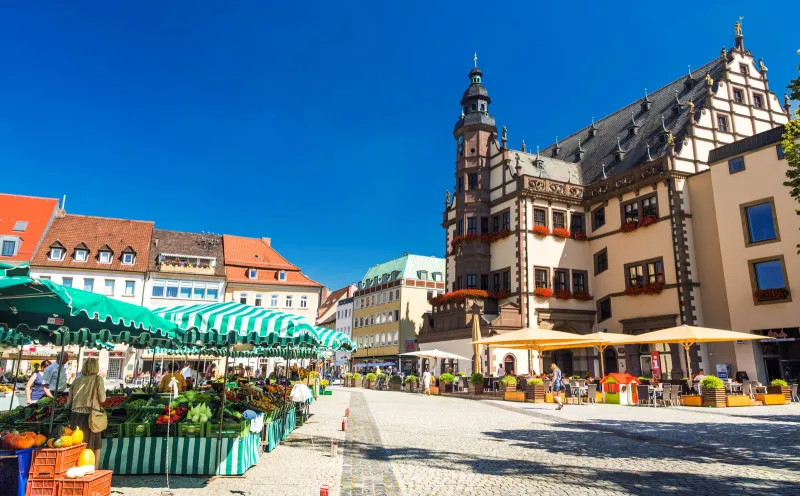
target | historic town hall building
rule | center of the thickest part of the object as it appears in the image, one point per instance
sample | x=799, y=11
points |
x=595, y=232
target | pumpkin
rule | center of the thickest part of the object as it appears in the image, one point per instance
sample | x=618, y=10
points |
x=66, y=441
x=67, y=431
x=10, y=441
x=25, y=442
x=86, y=458
x=77, y=436
x=40, y=440
x=29, y=434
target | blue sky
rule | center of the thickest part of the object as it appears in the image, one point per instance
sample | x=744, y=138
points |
x=326, y=126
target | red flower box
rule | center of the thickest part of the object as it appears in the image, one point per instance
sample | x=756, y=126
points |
x=458, y=295
x=560, y=232
x=486, y=237
x=500, y=294
x=629, y=227
x=541, y=230
x=649, y=220
x=563, y=294
x=771, y=294
x=580, y=236
x=582, y=295
x=647, y=289
x=545, y=293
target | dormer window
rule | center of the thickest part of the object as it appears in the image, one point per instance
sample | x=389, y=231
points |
x=57, y=254
x=423, y=275
x=252, y=273
x=282, y=275
x=128, y=258
x=437, y=276
x=104, y=257
x=81, y=255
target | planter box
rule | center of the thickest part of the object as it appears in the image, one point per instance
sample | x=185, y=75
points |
x=434, y=390
x=368, y=385
x=771, y=399
x=714, y=397
x=692, y=400
x=394, y=386
x=448, y=388
x=534, y=393
x=514, y=396
x=411, y=387
x=548, y=397
x=785, y=391
x=738, y=400
x=473, y=389
x=503, y=388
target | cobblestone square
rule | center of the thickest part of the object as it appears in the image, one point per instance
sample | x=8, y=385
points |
x=407, y=444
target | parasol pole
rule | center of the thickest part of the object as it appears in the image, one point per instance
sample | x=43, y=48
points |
x=58, y=380
x=14, y=384
x=152, y=369
x=222, y=408
x=686, y=347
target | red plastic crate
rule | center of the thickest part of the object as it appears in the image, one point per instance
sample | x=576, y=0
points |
x=42, y=487
x=95, y=484
x=51, y=462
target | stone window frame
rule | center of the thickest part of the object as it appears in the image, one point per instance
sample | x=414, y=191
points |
x=726, y=122
x=567, y=278
x=601, y=208
x=582, y=215
x=499, y=273
x=595, y=258
x=746, y=225
x=624, y=204
x=642, y=198
x=472, y=229
x=585, y=279
x=754, y=282
x=744, y=165
x=544, y=211
x=760, y=97
x=645, y=270
x=470, y=177
x=742, y=93
x=547, y=281
x=599, y=304
x=553, y=212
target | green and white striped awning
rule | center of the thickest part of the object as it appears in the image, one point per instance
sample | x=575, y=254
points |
x=282, y=352
x=220, y=324
x=331, y=339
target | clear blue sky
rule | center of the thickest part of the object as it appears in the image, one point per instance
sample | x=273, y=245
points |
x=324, y=125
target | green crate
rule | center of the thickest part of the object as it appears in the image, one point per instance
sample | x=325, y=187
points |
x=327, y=392
x=190, y=429
x=134, y=428
x=229, y=429
x=112, y=431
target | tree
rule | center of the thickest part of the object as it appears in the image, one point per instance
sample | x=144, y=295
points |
x=792, y=149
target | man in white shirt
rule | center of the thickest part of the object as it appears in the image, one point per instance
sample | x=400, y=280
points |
x=55, y=375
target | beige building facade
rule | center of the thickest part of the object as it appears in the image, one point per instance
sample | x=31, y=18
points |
x=594, y=232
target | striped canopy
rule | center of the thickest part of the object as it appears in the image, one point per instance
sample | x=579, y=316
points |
x=282, y=351
x=331, y=339
x=220, y=324
x=15, y=339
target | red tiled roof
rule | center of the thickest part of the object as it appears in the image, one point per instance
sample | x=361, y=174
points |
x=37, y=212
x=253, y=252
x=266, y=276
x=330, y=303
x=95, y=233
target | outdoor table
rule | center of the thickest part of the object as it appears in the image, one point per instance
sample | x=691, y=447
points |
x=733, y=387
x=654, y=390
x=580, y=390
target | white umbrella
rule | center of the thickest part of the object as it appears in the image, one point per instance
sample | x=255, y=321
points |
x=434, y=354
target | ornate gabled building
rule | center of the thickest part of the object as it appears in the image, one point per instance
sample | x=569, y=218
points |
x=594, y=232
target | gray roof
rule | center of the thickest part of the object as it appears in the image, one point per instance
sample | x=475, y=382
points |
x=551, y=168
x=602, y=148
x=760, y=140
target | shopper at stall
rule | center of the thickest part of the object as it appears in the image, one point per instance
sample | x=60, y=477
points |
x=557, y=386
x=55, y=375
x=211, y=372
x=172, y=372
x=87, y=393
x=33, y=389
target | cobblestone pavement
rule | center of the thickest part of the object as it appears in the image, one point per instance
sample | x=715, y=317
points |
x=400, y=443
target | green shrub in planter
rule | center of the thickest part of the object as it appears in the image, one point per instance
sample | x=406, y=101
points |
x=536, y=382
x=371, y=377
x=476, y=379
x=356, y=376
x=461, y=374
x=396, y=379
x=412, y=379
x=575, y=377
x=381, y=375
x=447, y=378
x=712, y=382
x=348, y=375
x=508, y=380
x=779, y=383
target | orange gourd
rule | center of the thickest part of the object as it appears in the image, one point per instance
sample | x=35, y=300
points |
x=86, y=458
x=25, y=442
x=77, y=436
x=67, y=431
x=50, y=442
x=40, y=440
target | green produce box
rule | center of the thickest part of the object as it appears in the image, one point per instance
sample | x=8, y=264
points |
x=112, y=431
x=190, y=429
x=141, y=423
x=327, y=392
x=229, y=429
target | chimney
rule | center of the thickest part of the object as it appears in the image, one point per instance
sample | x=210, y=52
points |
x=266, y=241
x=61, y=213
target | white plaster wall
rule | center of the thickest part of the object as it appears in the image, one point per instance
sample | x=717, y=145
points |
x=57, y=275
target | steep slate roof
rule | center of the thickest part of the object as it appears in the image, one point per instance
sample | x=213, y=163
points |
x=183, y=243
x=602, y=147
x=765, y=138
x=407, y=266
x=37, y=212
x=244, y=253
x=96, y=233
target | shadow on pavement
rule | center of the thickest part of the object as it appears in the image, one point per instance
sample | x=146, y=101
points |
x=160, y=481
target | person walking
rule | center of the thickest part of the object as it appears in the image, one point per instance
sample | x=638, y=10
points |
x=557, y=385
x=87, y=393
x=426, y=382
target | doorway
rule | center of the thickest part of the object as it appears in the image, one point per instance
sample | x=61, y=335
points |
x=563, y=358
x=510, y=364
x=610, y=363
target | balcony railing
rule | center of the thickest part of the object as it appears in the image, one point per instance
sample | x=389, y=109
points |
x=185, y=264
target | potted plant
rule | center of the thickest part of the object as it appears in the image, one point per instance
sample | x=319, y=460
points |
x=507, y=383
x=447, y=380
x=713, y=391
x=560, y=232
x=411, y=383
x=323, y=384
x=348, y=379
x=476, y=383
x=543, y=293
x=461, y=374
x=356, y=381
x=370, y=380
x=779, y=386
x=534, y=390
x=395, y=382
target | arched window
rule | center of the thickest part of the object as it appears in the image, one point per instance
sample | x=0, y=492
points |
x=610, y=360
x=510, y=364
x=483, y=107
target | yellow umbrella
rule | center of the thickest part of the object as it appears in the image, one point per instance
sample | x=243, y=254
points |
x=476, y=348
x=599, y=340
x=530, y=339
x=686, y=336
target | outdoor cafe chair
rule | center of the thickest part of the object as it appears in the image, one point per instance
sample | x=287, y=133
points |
x=666, y=395
x=676, y=394
x=643, y=392
x=794, y=393
x=591, y=395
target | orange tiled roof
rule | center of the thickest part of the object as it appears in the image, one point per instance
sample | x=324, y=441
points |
x=253, y=252
x=267, y=276
x=37, y=212
x=96, y=233
x=331, y=301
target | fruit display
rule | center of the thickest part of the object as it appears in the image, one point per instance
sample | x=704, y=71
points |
x=199, y=414
x=5, y=389
x=114, y=401
x=86, y=458
x=13, y=440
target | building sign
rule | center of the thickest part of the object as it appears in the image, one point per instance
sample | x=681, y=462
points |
x=780, y=336
x=411, y=345
x=55, y=321
x=655, y=363
x=724, y=371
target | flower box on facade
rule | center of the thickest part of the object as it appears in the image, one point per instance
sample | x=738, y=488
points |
x=776, y=294
x=647, y=289
x=541, y=230
x=580, y=236
x=784, y=390
x=485, y=237
x=714, y=397
x=581, y=296
x=544, y=293
x=187, y=269
x=562, y=294
x=562, y=233
x=628, y=227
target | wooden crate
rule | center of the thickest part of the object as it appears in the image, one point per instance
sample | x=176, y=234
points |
x=514, y=396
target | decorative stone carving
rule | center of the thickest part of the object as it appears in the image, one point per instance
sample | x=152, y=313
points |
x=557, y=188
x=575, y=192
x=537, y=184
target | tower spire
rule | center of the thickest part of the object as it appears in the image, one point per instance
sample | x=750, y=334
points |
x=475, y=59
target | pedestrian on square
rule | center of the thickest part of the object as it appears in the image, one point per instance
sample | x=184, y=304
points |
x=426, y=382
x=557, y=386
